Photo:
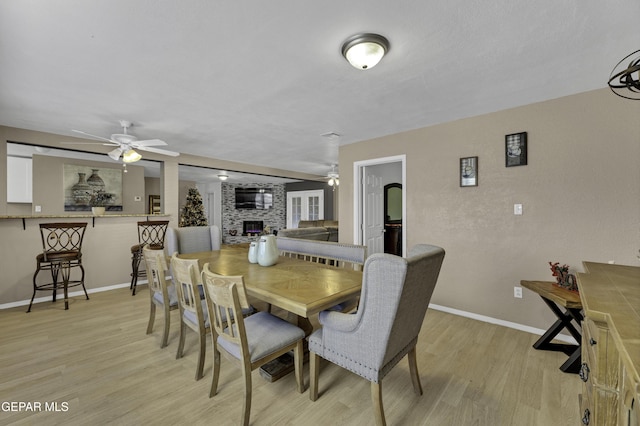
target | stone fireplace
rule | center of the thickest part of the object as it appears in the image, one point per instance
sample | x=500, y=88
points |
x=239, y=225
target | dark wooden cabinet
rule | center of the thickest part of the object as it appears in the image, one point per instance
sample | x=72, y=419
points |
x=393, y=238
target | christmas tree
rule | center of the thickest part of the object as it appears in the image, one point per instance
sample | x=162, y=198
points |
x=193, y=212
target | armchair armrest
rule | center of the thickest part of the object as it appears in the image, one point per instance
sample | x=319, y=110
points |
x=339, y=321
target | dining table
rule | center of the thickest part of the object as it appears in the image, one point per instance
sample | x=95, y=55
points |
x=300, y=287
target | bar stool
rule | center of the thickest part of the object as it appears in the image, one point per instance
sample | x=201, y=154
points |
x=61, y=251
x=150, y=233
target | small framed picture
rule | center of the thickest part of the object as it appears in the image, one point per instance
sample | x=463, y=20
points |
x=469, y=171
x=515, y=149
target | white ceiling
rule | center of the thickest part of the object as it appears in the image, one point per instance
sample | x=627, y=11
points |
x=260, y=82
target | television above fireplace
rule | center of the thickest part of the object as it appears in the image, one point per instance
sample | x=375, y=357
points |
x=254, y=198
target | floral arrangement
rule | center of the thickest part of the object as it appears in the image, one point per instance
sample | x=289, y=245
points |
x=563, y=278
x=266, y=230
x=100, y=198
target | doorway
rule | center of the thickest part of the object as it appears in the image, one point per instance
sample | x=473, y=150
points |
x=370, y=179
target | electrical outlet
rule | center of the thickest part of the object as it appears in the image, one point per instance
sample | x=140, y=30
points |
x=38, y=209
x=137, y=198
x=517, y=292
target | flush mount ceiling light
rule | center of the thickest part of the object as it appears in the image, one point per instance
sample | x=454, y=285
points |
x=625, y=82
x=364, y=51
x=223, y=177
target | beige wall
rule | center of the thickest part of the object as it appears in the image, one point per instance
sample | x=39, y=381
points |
x=48, y=185
x=106, y=254
x=580, y=194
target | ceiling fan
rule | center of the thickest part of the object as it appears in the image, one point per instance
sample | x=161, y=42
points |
x=334, y=177
x=127, y=144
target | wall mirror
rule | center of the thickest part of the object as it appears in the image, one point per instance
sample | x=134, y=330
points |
x=393, y=203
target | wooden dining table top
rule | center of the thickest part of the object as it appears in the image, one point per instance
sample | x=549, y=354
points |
x=297, y=286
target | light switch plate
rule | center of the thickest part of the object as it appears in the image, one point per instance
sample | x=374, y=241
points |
x=517, y=209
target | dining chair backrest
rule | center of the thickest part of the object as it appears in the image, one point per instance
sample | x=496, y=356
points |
x=62, y=238
x=186, y=277
x=152, y=232
x=193, y=239
x=156, y=265
x=226, y=296
x=340, y=255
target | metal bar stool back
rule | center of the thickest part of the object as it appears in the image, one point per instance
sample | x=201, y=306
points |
x=150, y=233
x=61, y=251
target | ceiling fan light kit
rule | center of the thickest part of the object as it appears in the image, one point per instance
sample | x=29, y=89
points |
x=334, y=177
x=115, y=154
x=364, y=51
x=131, y=156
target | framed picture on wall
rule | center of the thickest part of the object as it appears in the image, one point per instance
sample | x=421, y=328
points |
x=469, y=171
x=515, y=149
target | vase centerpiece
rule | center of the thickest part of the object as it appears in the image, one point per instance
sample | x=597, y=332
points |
x=99, y=200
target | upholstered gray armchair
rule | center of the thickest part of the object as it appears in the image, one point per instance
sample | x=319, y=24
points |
x=394, y=300
x=192, y=239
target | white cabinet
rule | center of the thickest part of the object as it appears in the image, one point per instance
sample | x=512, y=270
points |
x=19, y=180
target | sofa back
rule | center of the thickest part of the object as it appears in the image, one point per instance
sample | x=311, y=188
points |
x=310, y=233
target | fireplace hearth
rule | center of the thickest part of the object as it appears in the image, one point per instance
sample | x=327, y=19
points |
x=252, y=227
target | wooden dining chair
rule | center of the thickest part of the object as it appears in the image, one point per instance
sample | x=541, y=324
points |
x=193, y=308
x=250, y=342
x=394, y=300
x=162, y=292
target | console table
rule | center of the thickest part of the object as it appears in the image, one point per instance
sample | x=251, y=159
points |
x=556, y=297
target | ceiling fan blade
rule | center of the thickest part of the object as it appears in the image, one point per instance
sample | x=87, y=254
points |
x=89, y=143
x=94, y=136
x=149, y=142
x=158, y=151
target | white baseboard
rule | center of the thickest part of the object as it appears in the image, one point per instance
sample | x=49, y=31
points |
x=537, y=331
x=483, y=318
x=71, y=294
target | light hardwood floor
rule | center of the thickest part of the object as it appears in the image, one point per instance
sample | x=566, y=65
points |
x=97, y=359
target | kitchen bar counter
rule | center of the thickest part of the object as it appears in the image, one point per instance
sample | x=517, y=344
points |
x=80, y=216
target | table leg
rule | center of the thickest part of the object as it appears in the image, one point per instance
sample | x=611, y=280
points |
x=572, y=365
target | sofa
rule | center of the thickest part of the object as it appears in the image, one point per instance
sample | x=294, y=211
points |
x=320, y=230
